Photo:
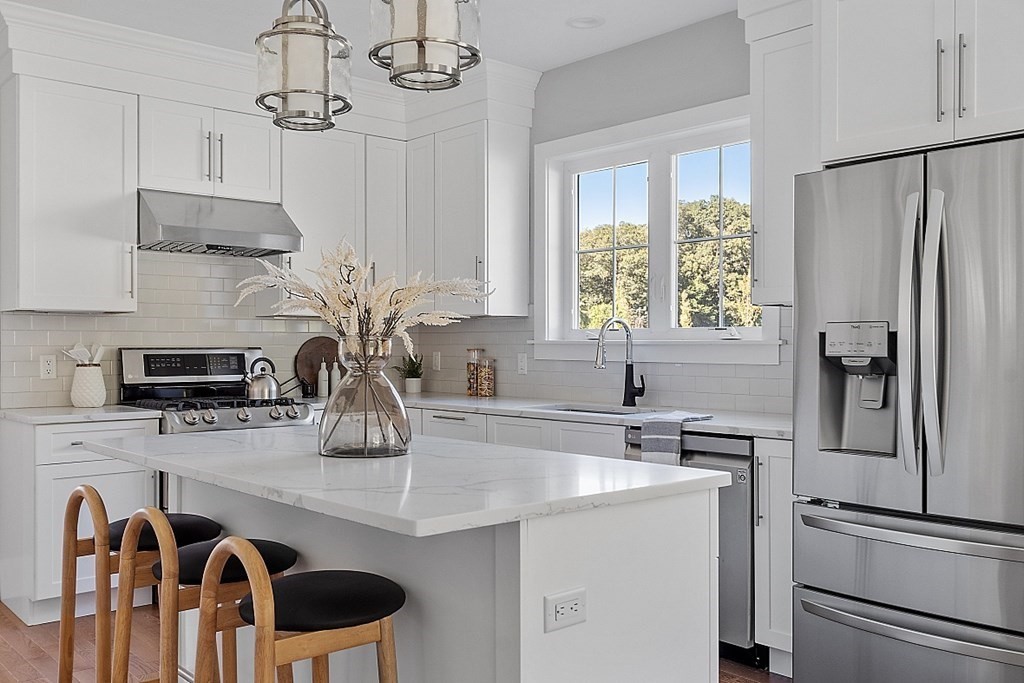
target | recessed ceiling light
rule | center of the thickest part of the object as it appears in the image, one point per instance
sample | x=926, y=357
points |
x=585, y=22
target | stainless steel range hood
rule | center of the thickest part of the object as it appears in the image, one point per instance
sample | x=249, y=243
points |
x=198, y=224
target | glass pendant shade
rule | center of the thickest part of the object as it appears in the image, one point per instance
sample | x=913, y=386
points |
x=425, y=44
x=305, y=69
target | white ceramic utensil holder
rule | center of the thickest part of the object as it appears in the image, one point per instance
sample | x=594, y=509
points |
x=87, y=387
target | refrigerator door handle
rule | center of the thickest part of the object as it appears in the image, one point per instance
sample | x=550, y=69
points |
x=992, y=551
x=930, y=332
x=905, y=339
x=914, y=636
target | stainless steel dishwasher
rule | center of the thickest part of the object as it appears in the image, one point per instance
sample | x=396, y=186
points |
x=736, y=504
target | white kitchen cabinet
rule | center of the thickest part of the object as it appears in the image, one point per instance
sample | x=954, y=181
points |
x=773, y=551
x=607, y=441
x=990, y=60
x=386, y=207
x=783, y=109
x=42, y=465
x=455, y=425
x=419, y=197
x=191, y=148
x=480, y=226
x=415, y=419
x=68, y=212
x=519, y=431
x=887, y=75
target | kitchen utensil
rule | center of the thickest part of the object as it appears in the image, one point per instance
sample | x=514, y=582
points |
x=312, y=352
x=97, y=355
x=80, y=354
x=263, y=386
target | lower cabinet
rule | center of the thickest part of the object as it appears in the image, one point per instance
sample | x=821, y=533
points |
x=455, y=425
x=415, y=420
x=553, y=435
x=773, y=552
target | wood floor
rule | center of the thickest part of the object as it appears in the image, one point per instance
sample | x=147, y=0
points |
x=28, y=654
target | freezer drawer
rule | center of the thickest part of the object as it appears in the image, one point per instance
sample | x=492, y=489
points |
x=973, y=575
x=846, y=641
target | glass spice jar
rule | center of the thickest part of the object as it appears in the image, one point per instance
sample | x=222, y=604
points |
x=471, y=371
x=485, y=378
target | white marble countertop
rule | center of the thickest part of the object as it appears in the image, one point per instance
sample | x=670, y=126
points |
x=69, y=415
x=443, y=485
x=766, y=425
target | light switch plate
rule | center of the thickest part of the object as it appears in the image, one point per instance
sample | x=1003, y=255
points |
x=436, y=360
x=521, y=363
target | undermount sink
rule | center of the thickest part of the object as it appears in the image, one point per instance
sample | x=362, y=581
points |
x=594, y=409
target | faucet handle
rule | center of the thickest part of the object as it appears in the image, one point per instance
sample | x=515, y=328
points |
x=643, y=387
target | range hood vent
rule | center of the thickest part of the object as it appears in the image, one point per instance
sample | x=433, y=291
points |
x=199, y=224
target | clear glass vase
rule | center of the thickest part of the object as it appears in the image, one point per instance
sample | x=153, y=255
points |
x=365, y=416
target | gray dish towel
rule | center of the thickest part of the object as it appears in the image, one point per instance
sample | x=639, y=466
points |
x=661, y=436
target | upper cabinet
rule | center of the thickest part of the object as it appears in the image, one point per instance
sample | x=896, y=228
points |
x=480, y=227
x=190, y=148
x=916, y=73
x=68, y=176
x=386, y=207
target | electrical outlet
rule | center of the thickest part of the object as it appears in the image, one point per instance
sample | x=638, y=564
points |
x=436, y=358
x=47, y=367
x=521, y=365
x=565, y=609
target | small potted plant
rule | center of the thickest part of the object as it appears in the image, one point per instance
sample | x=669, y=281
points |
x=411, y=369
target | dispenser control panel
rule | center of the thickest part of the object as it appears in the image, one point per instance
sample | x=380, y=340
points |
x=857, y=339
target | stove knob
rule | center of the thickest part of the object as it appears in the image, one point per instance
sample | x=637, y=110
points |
x=244, y=415
x=210, y=417
x=293, y=412
x=191, y=418
x=275, y=413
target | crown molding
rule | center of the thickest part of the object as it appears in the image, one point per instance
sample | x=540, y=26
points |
x=763, y=18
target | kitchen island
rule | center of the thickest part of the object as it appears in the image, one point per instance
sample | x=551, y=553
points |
x=478, y=535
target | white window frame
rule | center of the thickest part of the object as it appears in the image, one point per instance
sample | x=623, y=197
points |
x=657, y=140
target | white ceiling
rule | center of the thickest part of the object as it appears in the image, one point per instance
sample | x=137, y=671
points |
x=529, y=33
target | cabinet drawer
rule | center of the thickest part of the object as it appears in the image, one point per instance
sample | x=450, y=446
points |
x=455, y=425
x=63, y=443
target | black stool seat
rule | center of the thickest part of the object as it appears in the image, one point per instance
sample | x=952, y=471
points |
x=188, y=529
x=192, y=561
x=330, y=599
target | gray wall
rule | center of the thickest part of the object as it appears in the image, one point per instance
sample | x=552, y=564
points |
x=699, y=64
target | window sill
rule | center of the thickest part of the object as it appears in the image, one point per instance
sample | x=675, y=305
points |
x=716, y=351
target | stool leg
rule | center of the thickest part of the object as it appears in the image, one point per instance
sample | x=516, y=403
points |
x=229, y=649
x=387, y=662
x=285, y=674
x=69, y=580
x=321, y=671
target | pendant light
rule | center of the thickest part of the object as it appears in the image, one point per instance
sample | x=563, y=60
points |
x=425, y=44
x=305, y=70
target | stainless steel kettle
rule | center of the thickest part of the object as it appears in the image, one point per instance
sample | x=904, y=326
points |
x=262, y=387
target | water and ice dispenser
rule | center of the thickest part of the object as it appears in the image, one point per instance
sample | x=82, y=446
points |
x=857, y=388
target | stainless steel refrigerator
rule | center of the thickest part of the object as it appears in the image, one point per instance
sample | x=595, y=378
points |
x=909, y=419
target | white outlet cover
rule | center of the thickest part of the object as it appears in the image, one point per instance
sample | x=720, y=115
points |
x=565, y=609
x=436, y=358
x=47, y=366
x=521, y=363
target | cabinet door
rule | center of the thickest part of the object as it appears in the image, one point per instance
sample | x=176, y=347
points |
x=419, y=184
x=175, y=146
x=415, y=420
x=323, y=192
x=385, y=207
x=124, y=487
x=990, y=57
x=454, y=425
x=519, y=431
x=606, y=441
x=76, y=213
x=773, y=545
x=247, y=157
x=783, y=111
x=886, y=75
x=460, y=209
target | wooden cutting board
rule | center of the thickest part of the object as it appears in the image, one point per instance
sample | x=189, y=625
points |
x=313, y=352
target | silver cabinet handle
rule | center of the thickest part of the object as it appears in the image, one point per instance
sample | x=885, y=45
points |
x=906, y=337
x=77, y=443
x=448, y=417
x=220, y=169
x=961, y=71
x=131, y=272
x=914, y=539
x=289, y=261
x=757, y=493
x=209, y=155
x=939, y=51
x=476, y=267
x=930, y=331
x=916, y=637
x=753, y=251
x=373, y=273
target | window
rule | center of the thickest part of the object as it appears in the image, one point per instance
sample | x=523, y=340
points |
x=650, y=221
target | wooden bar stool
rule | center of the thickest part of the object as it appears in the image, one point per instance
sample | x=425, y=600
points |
x=105, y=544
x=179, y=573
x=323, y=611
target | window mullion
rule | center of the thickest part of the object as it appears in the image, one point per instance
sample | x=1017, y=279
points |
x=721, y=232
x=661, y=287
